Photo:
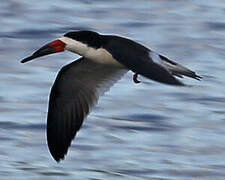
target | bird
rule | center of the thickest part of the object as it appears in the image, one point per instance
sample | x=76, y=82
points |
x=104, y=59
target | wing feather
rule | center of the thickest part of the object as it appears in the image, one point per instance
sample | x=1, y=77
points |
x=177, y=69
x=143, y=61
x=136, y=58
x=75, y=91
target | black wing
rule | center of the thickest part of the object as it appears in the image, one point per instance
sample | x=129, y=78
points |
x=143, y=61
x=75, y=91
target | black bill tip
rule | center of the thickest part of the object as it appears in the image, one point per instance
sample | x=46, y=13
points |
x=27, y=59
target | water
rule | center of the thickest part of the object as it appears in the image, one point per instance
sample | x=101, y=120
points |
x=137, y=131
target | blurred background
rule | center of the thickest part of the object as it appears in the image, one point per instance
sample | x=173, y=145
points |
x=137, y=131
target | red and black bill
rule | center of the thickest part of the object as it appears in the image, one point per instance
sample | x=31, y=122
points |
x=50, y=48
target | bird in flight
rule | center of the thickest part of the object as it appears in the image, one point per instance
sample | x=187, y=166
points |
x=104, y=60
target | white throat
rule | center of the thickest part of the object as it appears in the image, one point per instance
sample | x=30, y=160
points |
x=75, y=46
x=99, y=55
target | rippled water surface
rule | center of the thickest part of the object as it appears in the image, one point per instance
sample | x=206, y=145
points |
x=137, y=131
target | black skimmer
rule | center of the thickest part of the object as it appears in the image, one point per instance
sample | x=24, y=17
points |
x=105, y=58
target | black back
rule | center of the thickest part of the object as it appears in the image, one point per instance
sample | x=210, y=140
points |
x=129, y=53
x=136, y=58
x=91, y=38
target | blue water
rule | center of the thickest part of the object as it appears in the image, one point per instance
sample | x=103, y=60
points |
x=137, y=131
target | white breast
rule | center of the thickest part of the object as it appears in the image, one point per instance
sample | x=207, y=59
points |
x=102, y=56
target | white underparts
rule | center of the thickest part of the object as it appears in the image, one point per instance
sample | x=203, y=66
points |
x=99, y=55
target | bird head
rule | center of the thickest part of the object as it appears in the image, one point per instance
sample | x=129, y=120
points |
x=78, y=42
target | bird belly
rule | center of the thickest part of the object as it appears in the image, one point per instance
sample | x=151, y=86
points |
x=102, y=56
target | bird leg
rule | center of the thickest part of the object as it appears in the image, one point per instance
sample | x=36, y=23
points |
x=135, y=76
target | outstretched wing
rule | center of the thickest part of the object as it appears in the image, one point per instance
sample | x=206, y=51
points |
x=143, y=61
x=75, y=91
